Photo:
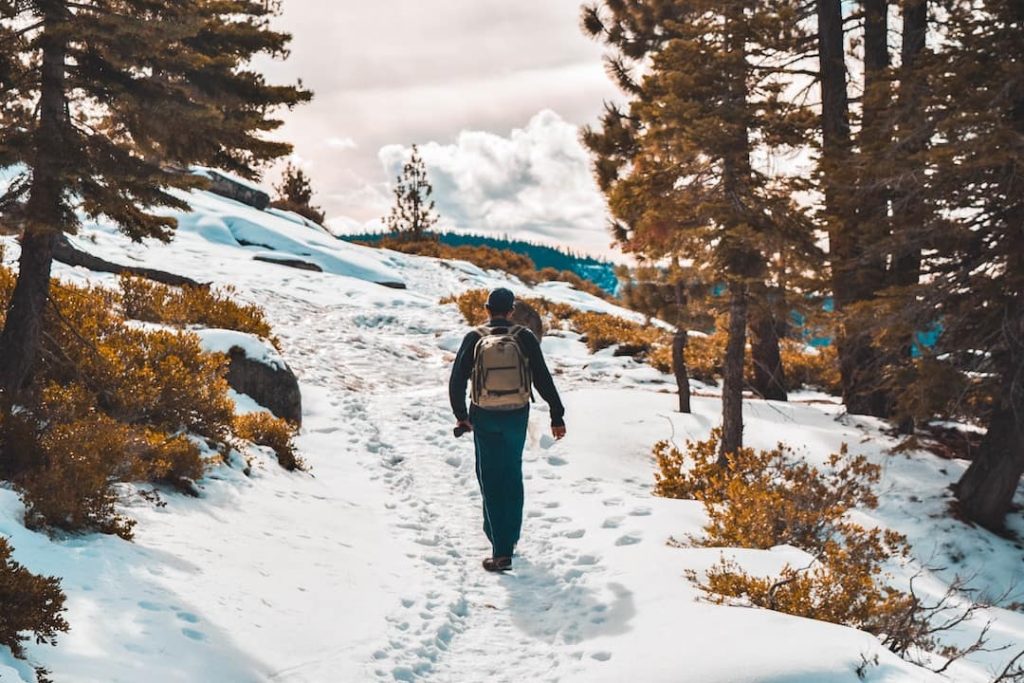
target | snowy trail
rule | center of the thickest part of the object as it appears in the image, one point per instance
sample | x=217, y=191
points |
x=531, y=623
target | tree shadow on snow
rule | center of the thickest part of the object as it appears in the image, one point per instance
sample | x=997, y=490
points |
x=547, y=606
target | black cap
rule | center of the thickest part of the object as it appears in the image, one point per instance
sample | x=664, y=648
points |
x=501, y=300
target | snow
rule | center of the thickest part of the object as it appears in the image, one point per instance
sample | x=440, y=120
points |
x=367, y=567
x=256, y=349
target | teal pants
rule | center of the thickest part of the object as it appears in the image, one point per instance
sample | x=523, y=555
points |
x=499, y=437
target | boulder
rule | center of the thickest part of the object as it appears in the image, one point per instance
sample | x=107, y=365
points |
x=257, y=370
x=231, y=188
x=273, y=385
x=526, y=315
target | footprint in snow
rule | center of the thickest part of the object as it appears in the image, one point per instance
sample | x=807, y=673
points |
x=629, y=539
x=612, y=523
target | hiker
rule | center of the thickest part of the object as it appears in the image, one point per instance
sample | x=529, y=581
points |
x=504, y=362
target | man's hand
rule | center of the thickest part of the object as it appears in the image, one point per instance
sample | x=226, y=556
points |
x=464, y=425
x=558, y=432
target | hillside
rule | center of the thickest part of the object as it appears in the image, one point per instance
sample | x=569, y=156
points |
x=367, y=567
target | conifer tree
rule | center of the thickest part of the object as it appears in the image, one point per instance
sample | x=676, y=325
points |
x=295, y=193
x=676, y=167
x=99, y=101
x=413, y=214
x=971, y=241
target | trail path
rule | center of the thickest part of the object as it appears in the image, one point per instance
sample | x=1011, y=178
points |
x=388, y=377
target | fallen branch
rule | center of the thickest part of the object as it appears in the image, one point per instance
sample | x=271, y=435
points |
x=67, y=253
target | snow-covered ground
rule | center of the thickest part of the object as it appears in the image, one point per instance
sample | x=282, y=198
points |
x=367, y=568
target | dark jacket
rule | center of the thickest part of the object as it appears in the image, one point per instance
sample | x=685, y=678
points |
x=463, y=369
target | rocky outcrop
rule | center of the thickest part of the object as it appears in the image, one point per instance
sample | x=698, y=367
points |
x=291, y=262
x=526, y=315
x=273, y=385
x=233, y=189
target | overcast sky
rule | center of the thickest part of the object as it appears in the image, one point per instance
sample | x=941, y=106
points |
x=492, y=91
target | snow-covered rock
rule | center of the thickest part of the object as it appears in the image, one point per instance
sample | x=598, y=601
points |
x=256, y=369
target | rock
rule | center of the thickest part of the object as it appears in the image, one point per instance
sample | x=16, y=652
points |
x=290, y=262
x=273, y=385
x=526, y=315
x=233, y=189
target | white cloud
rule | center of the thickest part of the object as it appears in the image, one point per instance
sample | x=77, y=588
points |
x=403, y=71
x=536, y=183
x=341, y=143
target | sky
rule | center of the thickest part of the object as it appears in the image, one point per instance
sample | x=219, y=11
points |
x=492, y=91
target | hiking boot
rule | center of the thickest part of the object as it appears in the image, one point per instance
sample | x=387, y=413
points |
x=498, y=564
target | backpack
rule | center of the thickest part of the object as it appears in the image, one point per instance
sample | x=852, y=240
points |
x=501, y=373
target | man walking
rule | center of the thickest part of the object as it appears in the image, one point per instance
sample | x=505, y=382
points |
x=504, y=362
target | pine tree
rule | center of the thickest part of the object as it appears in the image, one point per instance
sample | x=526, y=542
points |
x=972, y=239
x=295, y=194
x=99, y=101
x=413, y=214
x=676, y=167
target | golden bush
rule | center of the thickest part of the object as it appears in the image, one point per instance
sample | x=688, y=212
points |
x=844, y=584
x=472, y=306
x=73, y=488
x=804, y=368
x=32, y=604
x=263, y=429
x=489, y=258
x=150, y=301
x=109, y=403
x=762, y=499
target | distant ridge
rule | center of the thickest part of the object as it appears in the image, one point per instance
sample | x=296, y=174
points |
x=601, y=273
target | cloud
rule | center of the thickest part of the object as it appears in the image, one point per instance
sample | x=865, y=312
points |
x=403, y=71
x=341, y=143
x=535, y=183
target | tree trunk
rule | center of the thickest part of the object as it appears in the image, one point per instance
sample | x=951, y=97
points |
x=913, y=131
x=769, y=374
x=20, y=339
x=986, y=489
x=65, y=252
x=858, y=362
x=679, y=341
x=732, y=385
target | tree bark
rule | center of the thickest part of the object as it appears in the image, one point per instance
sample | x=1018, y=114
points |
x=732, y=386
x=679, y=341
x=858, y=362
x=913, y=133
x=913, y=130
x=20, y=339
x=769, y=373
x=985, y=491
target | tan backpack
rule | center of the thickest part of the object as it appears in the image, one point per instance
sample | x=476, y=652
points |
x=501, y=373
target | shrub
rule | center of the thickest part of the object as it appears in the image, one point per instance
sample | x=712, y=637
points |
x=843, y=585
x=818, y=368
x=150, y=301
x=489, y=258
x=73, y=489
x=761, y=499
x=263, y=429
x=109, y=403
x=31, y=604
x=471, y=305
